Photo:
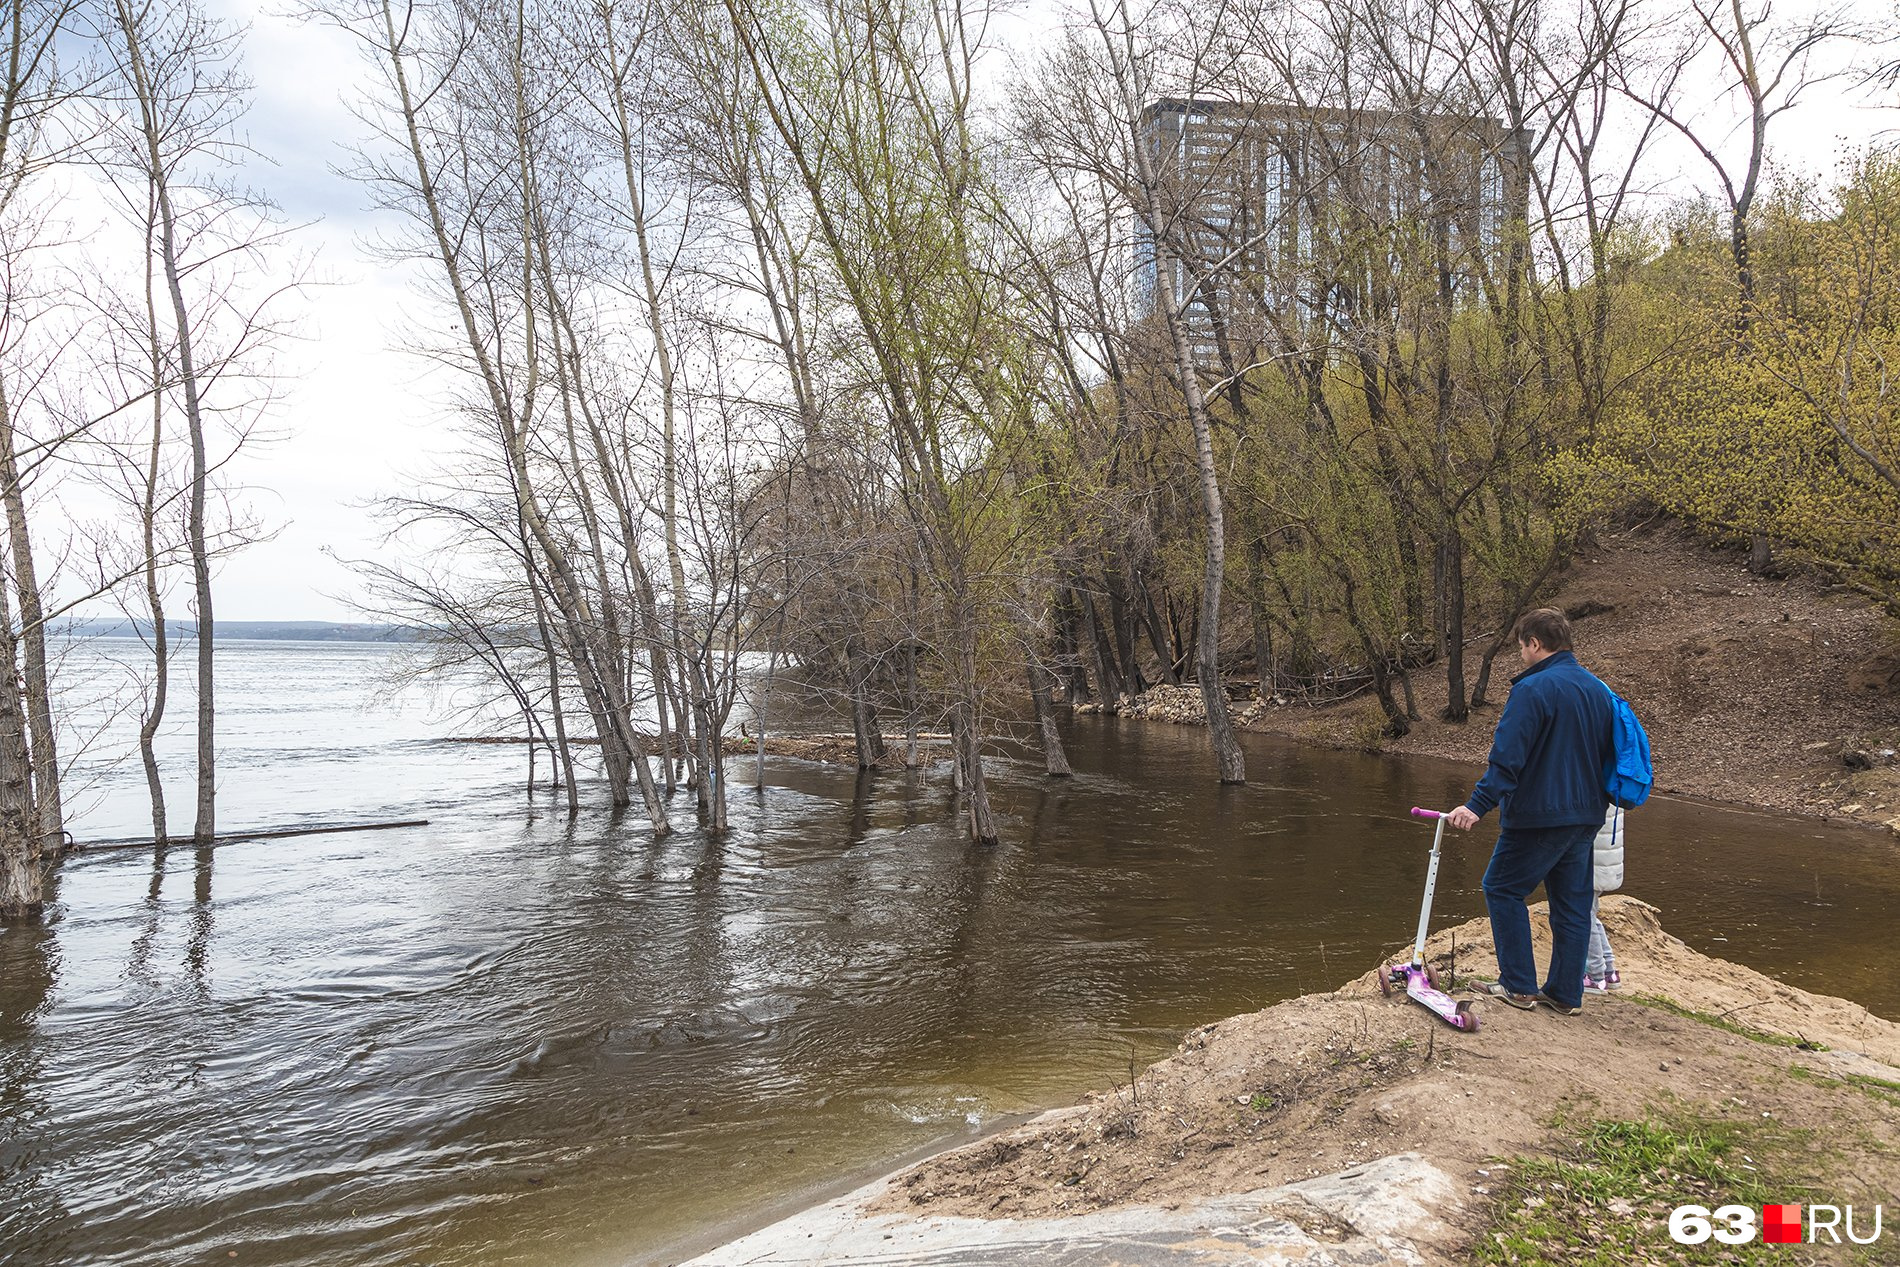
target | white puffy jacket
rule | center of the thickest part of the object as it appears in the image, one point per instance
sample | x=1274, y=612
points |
x=1609, y=852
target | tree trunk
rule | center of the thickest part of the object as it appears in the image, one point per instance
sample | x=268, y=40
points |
x=154, y=714
x=1040, y=680
x=1264, y=666
x=1123, y=616
x=21, y=876
x=913, y=701
x=1451, y=555
x=1521, y=600
x=158, y=174
x=1075, y=676
x=1397, y=723
x=864, y=724
x=1151, y=621
x=759, y=713
x=969, y=762
x=1107, y=673
x=913, y=705
x=563, y=752
x=1220, y=724
x=49, y=812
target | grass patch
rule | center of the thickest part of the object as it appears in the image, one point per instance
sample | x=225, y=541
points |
x=1607, y=1202
x=1879, y=1088
x=1723, y=1023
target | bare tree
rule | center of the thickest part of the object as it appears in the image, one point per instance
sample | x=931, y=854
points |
x=1765, y=65
x=176, y=76
x=31, y=811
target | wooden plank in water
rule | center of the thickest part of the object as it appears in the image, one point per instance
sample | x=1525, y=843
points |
x=268, y=833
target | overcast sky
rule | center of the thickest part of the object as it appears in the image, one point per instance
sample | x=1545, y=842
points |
x=357, y=421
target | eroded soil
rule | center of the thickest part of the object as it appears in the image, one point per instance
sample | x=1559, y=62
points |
x=1319, y=1083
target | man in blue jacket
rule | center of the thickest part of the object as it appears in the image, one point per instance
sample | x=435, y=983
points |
x=1553, y=745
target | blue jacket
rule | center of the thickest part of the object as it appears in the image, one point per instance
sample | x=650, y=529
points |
x=1554, y=742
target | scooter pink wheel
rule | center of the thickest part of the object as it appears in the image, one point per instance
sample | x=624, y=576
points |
x=1385, y=979
x=1468, y=1018
x=1431, y=975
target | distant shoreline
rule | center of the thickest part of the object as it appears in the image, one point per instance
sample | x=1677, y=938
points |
x=244, y=630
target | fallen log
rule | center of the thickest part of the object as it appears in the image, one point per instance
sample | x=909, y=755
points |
x=269, y=833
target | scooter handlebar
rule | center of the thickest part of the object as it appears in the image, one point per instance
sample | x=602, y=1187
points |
x=1426, y=813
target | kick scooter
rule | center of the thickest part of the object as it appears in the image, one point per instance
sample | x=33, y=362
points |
x=1418, y=981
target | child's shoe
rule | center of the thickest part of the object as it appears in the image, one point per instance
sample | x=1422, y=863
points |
x=1597, y=985
x=1613, y=981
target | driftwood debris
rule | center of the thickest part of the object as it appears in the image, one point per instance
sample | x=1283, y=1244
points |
x=269, y=833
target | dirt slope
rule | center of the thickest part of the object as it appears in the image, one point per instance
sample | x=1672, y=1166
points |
x=1328, y=1081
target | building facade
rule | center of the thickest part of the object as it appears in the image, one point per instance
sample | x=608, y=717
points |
x=1277, y=217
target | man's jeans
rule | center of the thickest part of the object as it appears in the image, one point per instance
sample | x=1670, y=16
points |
x=1560, y=859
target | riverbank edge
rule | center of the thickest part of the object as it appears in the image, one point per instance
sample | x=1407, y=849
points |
x=1773, y=692
x=1331, y=728
x=1813, y=1057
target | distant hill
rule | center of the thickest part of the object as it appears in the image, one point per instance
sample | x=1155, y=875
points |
x=266, y=630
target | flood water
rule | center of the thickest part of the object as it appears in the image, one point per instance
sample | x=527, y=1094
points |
x=508, y=1038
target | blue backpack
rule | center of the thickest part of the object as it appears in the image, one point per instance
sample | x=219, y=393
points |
x=1630, y=775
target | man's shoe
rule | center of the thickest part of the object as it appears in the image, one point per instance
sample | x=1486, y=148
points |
x=1496, y=990
x=1555, y=1006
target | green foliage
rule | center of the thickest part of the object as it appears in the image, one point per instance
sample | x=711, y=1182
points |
x=1774, y=413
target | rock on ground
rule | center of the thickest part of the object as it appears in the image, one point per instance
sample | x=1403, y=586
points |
x=1385, y=1214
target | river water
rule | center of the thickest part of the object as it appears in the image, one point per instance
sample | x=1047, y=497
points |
x=511, y=1038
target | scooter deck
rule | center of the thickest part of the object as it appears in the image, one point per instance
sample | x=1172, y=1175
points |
x=1459, y=1014
x=1420, y=990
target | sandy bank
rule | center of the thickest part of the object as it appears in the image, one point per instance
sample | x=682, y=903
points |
x=1286, y=1111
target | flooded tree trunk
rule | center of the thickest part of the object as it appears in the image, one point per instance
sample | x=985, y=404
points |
x=21, y=877
x=154, y=712
x=557, y=711
x=913, y=705
x=205, y=824
x=49, y=812
x=1187, y=378
x=158, y=170
x=759, y=713
x=969, y=762
x=664, y=696
x=1040, y=681
x=864, y=724
x=913, y=699
x=709, y=755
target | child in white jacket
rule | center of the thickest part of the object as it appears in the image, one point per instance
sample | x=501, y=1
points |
x=1599, y=969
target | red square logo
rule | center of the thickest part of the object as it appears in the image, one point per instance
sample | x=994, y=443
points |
x=1781, y=1224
